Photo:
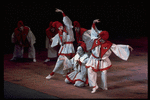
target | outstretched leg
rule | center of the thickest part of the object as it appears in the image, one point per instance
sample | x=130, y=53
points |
x=58, y=68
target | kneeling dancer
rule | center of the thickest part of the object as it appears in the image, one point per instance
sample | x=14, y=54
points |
x=79, y=76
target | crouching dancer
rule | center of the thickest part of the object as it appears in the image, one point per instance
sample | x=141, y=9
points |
x=79, y=76
x=23, y=37
x=99, y=59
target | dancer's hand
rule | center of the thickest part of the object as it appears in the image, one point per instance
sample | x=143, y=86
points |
x=130, y=48
x=58, y=10
x=96, y=21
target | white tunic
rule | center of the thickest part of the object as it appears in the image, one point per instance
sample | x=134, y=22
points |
x=67, y=48
x=122, y=51
x=79, y=75
x=97, y=64
x=51, y=51
x=86, y=37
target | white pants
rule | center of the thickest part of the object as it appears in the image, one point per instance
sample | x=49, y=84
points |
x=60, y=66
x=92, y=78
x=18, y=52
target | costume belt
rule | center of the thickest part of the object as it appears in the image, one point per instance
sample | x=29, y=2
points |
x=68, y=42
x=97, y=57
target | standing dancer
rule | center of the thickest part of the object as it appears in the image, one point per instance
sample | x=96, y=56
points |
x=65, y=38
x=99, y=59
x=50, y=32
x=23, y=37
x=82, y=34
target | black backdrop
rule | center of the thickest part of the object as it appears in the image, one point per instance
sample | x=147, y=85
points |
x=124, y=19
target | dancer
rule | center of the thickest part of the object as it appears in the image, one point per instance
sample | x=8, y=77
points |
x=50, y=32
x=99, y=59
x=23, y=37
x=79, y=76
x=65, y=38
x=82, y=34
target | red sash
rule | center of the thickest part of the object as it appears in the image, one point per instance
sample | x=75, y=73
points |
x=25, y=33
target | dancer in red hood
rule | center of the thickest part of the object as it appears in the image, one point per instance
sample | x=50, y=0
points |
x=99, y=59
x=23, y=37
x=65, y=38
x=50, y=33
x=82, y=34
x=78, y=77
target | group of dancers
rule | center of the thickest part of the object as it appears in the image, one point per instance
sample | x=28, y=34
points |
x=80, y=67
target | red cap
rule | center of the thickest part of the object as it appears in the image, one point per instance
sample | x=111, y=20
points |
x=76, y=24
x=20, y=23
x=83, y=45
x=104, y=35
x=57, y=24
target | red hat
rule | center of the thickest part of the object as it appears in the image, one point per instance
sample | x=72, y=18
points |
x=57, y=24
x=20, y=23
x=83, y=45
x=76, y=24
x=104, y=35
x=50, y=24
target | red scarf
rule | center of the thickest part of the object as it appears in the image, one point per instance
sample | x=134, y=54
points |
x=21, y=35
x=104, y=46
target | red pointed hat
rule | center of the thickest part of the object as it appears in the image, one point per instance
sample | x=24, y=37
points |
x=20, y=23
x=83, y=45
x=76, y=24
x=57, y=24
x=104, y=35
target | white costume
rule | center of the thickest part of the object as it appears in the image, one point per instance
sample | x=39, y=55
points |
x=79, y=76
x=83, y=34
x=67, y=48
x=99, y=59
x=52, y=53
x=86, y=37
x=50, y=32
x=19, y=49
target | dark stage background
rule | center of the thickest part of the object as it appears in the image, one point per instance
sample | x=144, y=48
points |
x=122, y=19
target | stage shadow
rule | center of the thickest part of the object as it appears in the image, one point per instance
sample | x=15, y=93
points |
x=21, y=60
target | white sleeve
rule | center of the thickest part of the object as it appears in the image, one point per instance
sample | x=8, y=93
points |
x=68, y=24
x=55, y=41
x=31, y=38
x=122, y=51
x=94, y=33
x=67, y=63
x=87, y=39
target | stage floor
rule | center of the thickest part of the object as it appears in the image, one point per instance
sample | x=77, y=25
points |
x=125, y=79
